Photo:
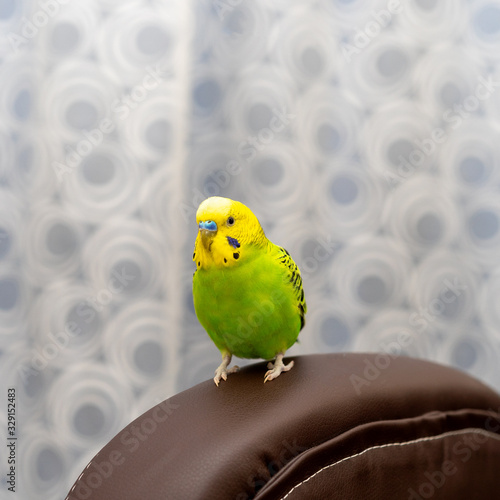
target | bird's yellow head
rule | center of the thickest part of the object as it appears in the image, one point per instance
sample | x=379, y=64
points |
x=226, y=228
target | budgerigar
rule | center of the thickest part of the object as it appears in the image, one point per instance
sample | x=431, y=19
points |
x=247, y=291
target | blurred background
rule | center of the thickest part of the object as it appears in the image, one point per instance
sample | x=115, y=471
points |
x=363, y=134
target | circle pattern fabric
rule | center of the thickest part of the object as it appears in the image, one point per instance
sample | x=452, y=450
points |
x=363, y=135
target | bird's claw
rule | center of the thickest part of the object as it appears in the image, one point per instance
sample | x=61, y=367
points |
x=276, y=369
x=223, y=372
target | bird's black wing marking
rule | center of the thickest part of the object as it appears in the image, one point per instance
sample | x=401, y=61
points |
x=295, y=279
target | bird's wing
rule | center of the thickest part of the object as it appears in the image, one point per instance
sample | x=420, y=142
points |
x=294, y=279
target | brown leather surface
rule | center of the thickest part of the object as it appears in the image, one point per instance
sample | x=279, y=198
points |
x=438, y=455
x=311, y=433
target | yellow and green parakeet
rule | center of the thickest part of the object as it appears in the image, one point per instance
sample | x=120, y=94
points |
x=247, y=291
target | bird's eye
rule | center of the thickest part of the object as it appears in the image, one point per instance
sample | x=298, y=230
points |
x=230, y=221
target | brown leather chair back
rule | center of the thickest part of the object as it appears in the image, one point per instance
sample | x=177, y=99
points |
x=337, y=426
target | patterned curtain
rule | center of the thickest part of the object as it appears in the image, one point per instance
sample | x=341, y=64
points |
x=362, y=133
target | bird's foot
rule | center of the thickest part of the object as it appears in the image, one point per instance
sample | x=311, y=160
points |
x=222, y=372
x=276, y=368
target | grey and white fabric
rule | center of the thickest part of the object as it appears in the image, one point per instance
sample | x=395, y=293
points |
x=363, y=135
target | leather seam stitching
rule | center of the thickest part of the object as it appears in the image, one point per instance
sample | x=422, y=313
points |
x=469, y=430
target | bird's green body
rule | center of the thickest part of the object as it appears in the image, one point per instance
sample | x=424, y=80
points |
x=247, y=291
x=251, y=310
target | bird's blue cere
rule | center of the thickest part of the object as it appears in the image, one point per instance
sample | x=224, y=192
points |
x=209, y=225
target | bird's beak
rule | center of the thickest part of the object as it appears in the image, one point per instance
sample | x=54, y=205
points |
x=207, y=230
